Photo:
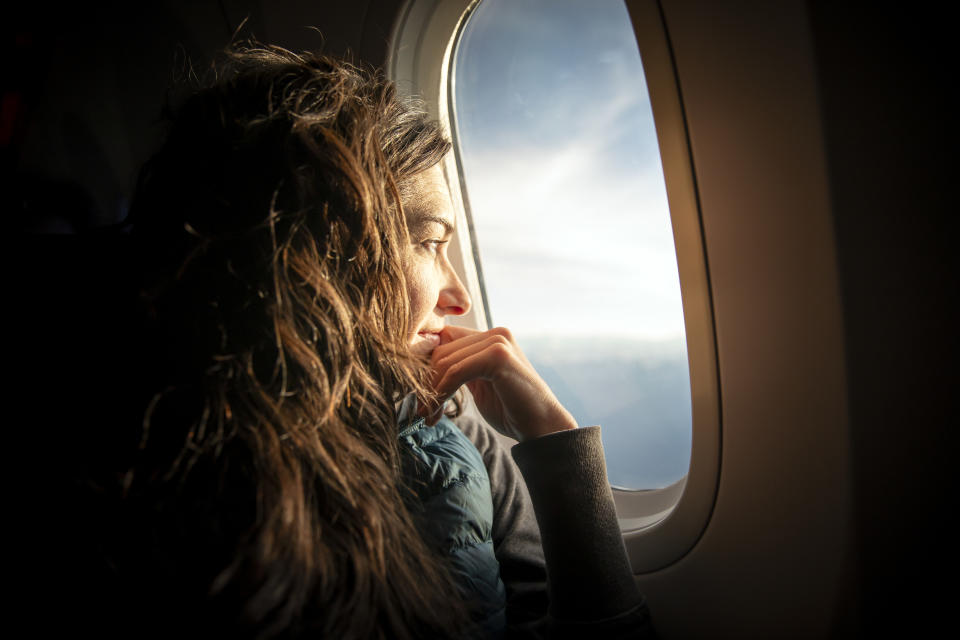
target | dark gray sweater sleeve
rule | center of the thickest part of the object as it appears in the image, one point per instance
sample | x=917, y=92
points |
x=591, y=589
x=591, y=585
x=516, y=536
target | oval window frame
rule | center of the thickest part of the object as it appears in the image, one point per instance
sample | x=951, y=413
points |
x=659, y=526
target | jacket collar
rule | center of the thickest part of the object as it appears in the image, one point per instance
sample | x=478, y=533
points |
x=407, y=418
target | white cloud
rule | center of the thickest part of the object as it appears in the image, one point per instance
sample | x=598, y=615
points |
x=569, y=249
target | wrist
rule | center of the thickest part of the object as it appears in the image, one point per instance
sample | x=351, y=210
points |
x=563, y=421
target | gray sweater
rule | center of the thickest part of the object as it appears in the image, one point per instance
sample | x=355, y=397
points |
x=556, y=535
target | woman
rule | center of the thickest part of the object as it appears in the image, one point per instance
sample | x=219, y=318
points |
x=295, y=474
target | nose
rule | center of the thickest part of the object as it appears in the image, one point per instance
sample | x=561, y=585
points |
x=454, y=299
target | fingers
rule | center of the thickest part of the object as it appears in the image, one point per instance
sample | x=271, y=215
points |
x=464, y=348
x=478, y=356
x=465, y=342
x=508, y=391
x=478, y=360
x=451, y=338
x=455, y=338
x=455, y=333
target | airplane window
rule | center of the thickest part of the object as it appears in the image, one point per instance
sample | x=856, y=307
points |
x=562, y=172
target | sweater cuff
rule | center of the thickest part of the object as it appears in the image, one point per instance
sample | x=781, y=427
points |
x=588, y=573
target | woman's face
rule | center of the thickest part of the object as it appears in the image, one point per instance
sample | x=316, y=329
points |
x=433, y=287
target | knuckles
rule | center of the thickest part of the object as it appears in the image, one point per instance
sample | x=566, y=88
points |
x=495, y=360
x=500, y=352
x=497, y=352
x=500, y=340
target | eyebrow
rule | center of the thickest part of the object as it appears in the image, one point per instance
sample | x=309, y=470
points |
x=422, y=220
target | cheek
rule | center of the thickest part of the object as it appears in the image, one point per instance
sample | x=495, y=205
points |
x=421, y=294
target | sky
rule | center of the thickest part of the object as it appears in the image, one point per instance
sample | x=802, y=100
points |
x=563, y=171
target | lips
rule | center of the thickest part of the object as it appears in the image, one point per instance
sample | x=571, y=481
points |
x=426, y=341
x=430, y=336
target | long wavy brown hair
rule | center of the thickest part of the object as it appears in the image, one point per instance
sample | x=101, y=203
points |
x=267, y=489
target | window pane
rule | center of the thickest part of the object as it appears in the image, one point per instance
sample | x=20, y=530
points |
x=567, y=198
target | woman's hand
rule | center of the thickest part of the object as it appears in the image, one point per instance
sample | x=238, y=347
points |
x=509, y=393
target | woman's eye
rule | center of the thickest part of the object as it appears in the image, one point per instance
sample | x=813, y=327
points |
x=433, y=245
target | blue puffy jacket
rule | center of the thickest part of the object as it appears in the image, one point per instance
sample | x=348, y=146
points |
x=455, y=514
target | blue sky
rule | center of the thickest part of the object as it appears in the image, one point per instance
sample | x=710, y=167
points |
x=563, y=171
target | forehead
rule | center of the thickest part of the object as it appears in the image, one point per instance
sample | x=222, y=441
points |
x=428, y=200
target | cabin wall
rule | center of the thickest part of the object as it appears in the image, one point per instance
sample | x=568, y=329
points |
x=821, y=141
x=775, y=558
x=888, y=102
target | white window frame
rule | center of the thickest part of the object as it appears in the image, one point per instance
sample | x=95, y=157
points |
x=659, y=526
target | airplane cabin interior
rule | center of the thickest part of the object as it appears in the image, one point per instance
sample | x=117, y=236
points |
x=807, y=150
